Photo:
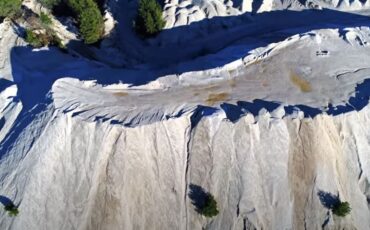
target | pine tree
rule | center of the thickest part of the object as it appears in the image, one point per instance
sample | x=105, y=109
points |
x=8, y=8
x=149, y=21
x=90, y=19
x=210, y=206
x=341, y=209
x=49, y=3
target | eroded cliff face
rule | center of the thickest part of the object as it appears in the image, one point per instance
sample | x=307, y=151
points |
x=267, y=173
x=87, y=146
x=184, y=12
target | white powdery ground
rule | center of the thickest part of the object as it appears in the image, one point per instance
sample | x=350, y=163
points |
x=314, y=69
x=69, y=167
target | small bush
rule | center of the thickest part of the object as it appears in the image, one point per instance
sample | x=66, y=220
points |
x=50, y=3
x=9, y=8
x=341, y=209
x=149, y=21
x=43, y=38
x=45, y=19
x=209, y=208
x=87, y=12
x=11, y=209
x=90, y=19
x=34, y=39
x=58, y=42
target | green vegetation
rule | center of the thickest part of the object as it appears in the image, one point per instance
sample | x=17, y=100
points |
x=34, y=39
x=49, y=3
x=39, y=38
x=341, y=209
x=9, y=8
x=91, y=25
x=87, y=13
x=11, y=209
x=42, y=34
x=209, y=208
x=45, y=19
x=90, y=19
x=149, y=21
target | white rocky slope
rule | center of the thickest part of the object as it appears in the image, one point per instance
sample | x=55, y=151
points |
x=76, y=154
x=185, y=12
x=74, y=174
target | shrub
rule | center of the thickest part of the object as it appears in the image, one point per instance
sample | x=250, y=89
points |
x=33, y=39
x=149, y=21
x=341, y=209
x=91, y=25
x=11, y=209
x=49, y=3
x=45, y=19
x=209, y=208
x=90, y=19
x=8, y=8
x=58, y=42
x=43, y=38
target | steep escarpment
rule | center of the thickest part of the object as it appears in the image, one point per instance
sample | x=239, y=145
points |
x=267, y=109
x=266, y=173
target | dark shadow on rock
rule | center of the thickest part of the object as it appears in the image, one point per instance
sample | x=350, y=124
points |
x=256, y=105
x=33, y=89
x=258, y=31
x=6, y=201
x=233, y=112
x=9, y=206
x=326, y=221
x=18, y=29
x=2, y=123
x=328, y=200
x=63, y=10
x=161, y=3
x=200, y=112
x=101, y=5
x=357, y=102
x=23, y=120
x=307, y=110
x=4, y=84
x=198, y=196
x=237, y=4
x=340, y=109
x=27, y=13
x=255, y=6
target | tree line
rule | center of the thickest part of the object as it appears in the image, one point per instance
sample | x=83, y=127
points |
x=89, y=18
